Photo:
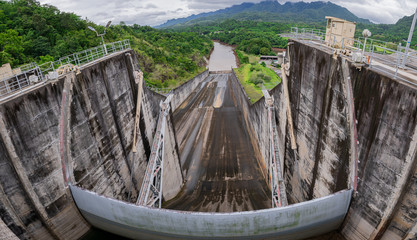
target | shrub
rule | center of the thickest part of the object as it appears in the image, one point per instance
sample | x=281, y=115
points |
x=252, y=78
x=261, y=75
x=267, y=78
x=263, y=64
x=257, y=81
x=265, y=51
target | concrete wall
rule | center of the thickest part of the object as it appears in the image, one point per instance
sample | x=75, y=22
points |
x=86, y=122
x=34, y=201
x=183, y=91
x=319, y=108
x=298, y=221
x=256, y=120
x=385, y=204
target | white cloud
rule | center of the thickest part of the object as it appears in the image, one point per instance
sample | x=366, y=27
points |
x=154, y=12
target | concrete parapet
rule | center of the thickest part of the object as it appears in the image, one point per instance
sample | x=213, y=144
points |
x=298, y=221
x=183, y=91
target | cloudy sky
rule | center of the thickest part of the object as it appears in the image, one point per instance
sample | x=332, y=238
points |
x=155, y=12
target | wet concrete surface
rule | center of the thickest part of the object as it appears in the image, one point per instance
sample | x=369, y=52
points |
x=217, y=157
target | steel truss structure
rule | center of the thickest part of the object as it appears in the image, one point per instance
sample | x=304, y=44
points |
x=151, y=191
x=279, y=198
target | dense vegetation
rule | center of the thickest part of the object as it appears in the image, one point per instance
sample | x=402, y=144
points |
x=250, y=36
x=30, y=32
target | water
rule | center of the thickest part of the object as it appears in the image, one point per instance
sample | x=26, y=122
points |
x=222, y=58
x=96, y=233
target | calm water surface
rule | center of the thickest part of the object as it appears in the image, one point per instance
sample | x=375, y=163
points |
x=222, y=58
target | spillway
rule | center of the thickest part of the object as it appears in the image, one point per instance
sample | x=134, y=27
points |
x=217, y=157
x=66, y=159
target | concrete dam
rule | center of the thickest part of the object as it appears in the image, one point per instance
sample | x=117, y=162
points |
x=331, y=153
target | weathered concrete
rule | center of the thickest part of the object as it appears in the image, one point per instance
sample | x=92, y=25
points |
x=35, y=197
x=386, y=111
x=183, y=92
x=319, y=110
x=84, y=123
x=6, y=233
x=217, y=157
x=288, y=223
x=256, y=121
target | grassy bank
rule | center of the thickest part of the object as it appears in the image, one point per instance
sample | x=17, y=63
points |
x=254, y=77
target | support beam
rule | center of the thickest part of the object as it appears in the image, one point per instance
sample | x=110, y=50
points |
x=289, y=115
x=151, y=190
x=279, y=196
x=353, y=151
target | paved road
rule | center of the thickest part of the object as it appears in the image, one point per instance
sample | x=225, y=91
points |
x=217, y=158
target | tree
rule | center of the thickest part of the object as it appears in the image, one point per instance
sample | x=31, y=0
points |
x=11, y=46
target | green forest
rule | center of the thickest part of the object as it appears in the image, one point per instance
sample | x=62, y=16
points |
x=249, y=36
x=31, y=32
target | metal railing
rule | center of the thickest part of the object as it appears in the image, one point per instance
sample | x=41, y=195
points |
x=320, y=36
x=32, y=74
x=163, y=91
x=391, y=64
x=377, y=53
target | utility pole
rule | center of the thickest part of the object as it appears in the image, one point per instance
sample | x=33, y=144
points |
x=101, y=35
x=410, y=35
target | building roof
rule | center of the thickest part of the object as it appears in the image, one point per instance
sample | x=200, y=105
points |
x=338, y=19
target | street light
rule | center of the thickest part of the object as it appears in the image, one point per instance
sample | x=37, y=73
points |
x=366, y=33
x=101, y=35
x=410, y=36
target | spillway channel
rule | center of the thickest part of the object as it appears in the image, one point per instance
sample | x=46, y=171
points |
x=217, y=158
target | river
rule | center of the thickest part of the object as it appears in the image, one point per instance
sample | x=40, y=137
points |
x=222, y=58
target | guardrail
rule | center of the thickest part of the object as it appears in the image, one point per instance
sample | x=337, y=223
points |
x=377, y=53
x=163, y=91
x=392, y=64
x=32, y=74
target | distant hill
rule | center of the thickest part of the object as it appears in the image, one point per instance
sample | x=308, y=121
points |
x=396, y=33
x=271, y=11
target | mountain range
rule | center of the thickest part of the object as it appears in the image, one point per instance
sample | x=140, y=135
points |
x=271, y=11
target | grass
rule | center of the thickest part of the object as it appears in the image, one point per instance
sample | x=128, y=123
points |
x=381, y=50
x=253, y=91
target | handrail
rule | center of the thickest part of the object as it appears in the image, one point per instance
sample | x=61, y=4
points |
x=376, y=52
x=33, y=74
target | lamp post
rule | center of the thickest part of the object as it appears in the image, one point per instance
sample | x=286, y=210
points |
x=366, y=33
x=410, y=36
x=101, y=35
